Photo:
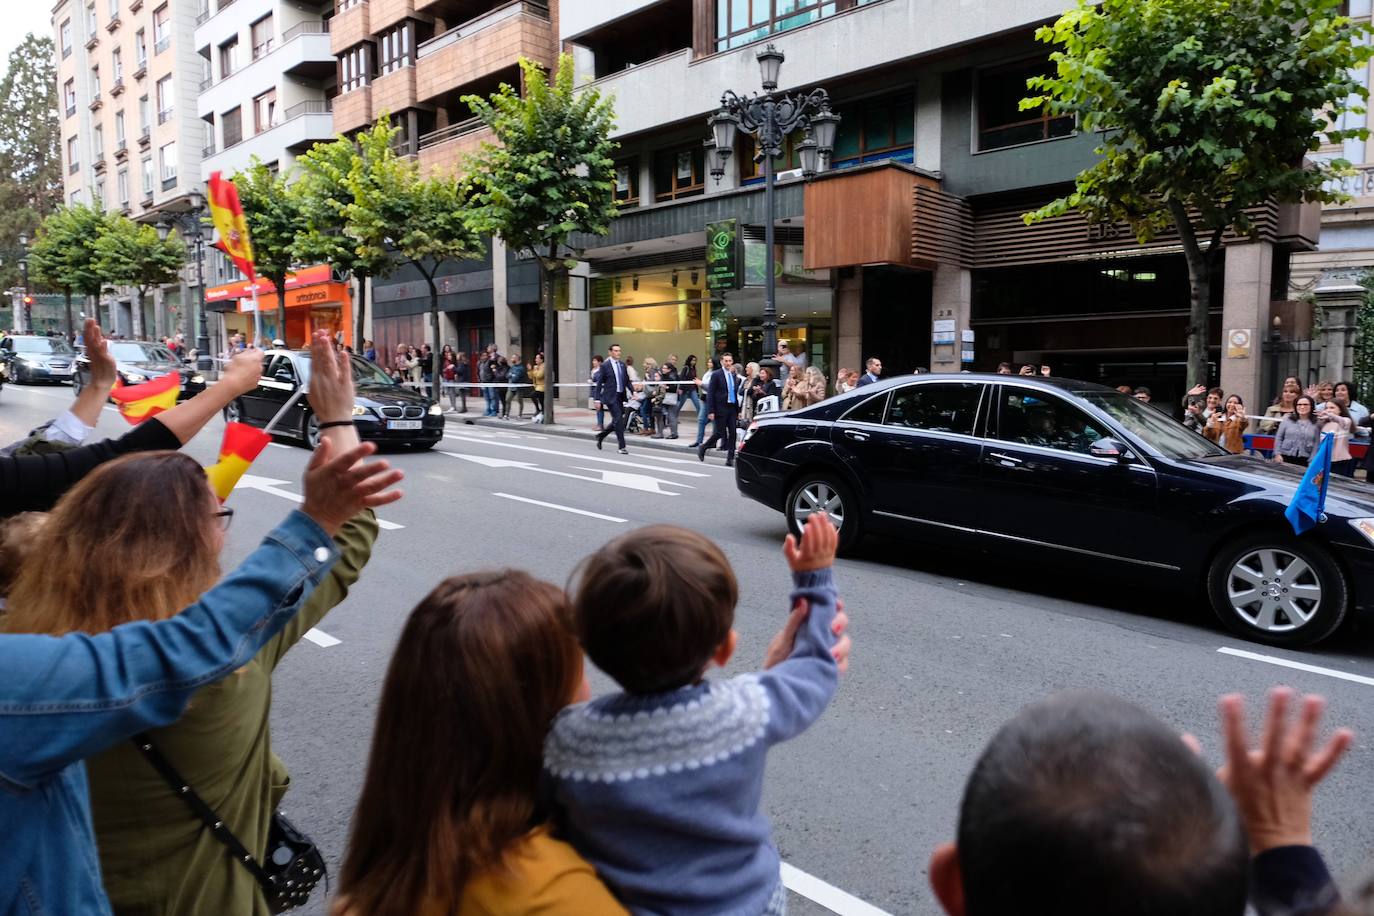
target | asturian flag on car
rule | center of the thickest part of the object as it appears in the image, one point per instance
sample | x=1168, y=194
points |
x=1309, y=500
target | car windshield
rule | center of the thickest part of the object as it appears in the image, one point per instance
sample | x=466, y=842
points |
x=125, y=351
x=41, y=345
x=364, y=372
x=1161, y=432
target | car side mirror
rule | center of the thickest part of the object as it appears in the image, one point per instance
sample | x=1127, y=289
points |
x=1110, y=448
x=282, y=375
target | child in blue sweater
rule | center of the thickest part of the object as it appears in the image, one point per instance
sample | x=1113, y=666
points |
x=659, y=786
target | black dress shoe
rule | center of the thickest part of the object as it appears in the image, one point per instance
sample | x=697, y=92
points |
x=600, y=439
x=624, y=451
x=729, y=462
x=701, y=452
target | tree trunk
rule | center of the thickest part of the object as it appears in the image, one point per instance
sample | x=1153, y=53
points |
x=136, y=320
x=550, y=334
x=361, y=306
x=280, y=284
x=1199, y=289
x=435, y=373
x=71, y=327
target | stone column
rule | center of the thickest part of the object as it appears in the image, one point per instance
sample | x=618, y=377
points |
x=1245, y=312
x=929, y=123
x=849, y=324
x=1340, y=301
x=951, y=308
x=574, y=341
x=505, y=318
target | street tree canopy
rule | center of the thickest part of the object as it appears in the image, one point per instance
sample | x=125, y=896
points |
x=131, y=254
x=64, y=255
x=1207, y=108
x=274, y=215
x=30, y=154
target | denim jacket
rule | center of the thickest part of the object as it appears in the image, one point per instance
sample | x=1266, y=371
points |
x=64, y=698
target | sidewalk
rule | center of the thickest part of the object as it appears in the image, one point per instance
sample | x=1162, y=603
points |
x=580, y=423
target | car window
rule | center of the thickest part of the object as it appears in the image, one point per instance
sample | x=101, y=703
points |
x=364, y=372
x=1152, y=426
x=280, y=363
x=130, y=352
x=937, y=408
x=40, y=345
x=1031, y=417
x=870, y=411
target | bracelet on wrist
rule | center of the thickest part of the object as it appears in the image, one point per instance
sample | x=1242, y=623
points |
x=333, y=423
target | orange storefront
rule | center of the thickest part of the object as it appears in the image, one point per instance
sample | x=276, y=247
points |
x=314, y=301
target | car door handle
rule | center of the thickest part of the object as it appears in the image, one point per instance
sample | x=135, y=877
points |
x=856, y=435
x=1007, y=461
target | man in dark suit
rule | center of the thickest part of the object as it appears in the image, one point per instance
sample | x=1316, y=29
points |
x=723, y=397
x=875, y=372
x=613, y=384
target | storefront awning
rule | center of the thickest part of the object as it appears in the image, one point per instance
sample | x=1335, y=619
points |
x=320, y=273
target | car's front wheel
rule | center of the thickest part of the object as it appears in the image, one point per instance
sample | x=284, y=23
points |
x=312, y=431
x=818, y=491
x=233, y=412
x=77, y=384
x=1278, y=589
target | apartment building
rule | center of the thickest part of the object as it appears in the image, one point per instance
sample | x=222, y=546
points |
x=126, y=80
x=910, y=245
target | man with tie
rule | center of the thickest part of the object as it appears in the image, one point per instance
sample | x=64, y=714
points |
x=614, y=384
x=722, y=407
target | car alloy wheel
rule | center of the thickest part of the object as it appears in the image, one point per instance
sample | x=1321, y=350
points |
x=1279, y=591
x=818, y=492
x=312, y=431
x=76, y=384
x=233, y=413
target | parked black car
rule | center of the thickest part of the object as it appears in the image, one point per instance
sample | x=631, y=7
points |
x=1076, y=472
x=34, y=358
x=139, y=361
x=384, y=411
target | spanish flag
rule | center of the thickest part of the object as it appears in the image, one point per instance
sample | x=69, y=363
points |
x=139, y=402
x=227, y=214
x=242, y=444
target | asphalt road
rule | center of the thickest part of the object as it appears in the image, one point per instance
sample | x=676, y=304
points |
x=948, y=645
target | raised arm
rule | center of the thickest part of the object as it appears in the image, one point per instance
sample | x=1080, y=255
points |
x=239, y=377
x=92, y=398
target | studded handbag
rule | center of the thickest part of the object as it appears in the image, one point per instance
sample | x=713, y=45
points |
x=293, y=865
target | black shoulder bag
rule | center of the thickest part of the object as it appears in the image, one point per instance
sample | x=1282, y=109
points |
x=294, y=864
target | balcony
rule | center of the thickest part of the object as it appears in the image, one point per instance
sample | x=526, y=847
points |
x=301, y=126
x=73, y=168
x=394, y=91
x=95, y=102
x=112, y=25
x=92, y=42
x=99, y=165
x=483, y=46
x=445, y=149
x=121, y=152
x=352, y=110
x=145, y=137
x=386, y=13
x=164, y=116
x=135, y=5
x=142, y=70
x=349, y=27
x=118, y=87
x=207, y=83
x=207, y=151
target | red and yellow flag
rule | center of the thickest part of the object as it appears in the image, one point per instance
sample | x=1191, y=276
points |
x=242, y=444
x=139, y=402
x=227, y=214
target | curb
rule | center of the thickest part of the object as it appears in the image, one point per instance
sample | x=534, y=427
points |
x=575, y=432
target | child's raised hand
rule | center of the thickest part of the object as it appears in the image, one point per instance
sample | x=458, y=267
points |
x=816, y=549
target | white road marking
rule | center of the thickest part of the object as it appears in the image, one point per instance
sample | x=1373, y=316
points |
x=827, y=895
x=579, y=456
x=321, y=638
x=268, y=485
x=278, y=445
x=1298, y=666
x=640, y=482
x=538, y=502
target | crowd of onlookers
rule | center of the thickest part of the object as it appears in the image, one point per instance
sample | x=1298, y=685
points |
x=136, y=765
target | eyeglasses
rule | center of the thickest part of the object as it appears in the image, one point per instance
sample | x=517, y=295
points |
x=227, y=516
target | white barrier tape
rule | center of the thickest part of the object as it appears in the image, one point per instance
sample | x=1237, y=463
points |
x=528, y=384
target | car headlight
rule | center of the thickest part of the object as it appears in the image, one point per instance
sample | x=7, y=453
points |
x=197, y=380
x=1364, y=526
x=26, y=360
x=135, y=377
x=359, y=410
x=436, y=410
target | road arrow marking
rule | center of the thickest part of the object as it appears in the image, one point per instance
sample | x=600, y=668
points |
x=582, y=456
x=642, y=483
x=540, y=502
x=268, y=485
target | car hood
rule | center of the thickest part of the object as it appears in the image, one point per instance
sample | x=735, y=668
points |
x=46, y=358
x=1343, y=495
x=148, y=366
x=378, y=395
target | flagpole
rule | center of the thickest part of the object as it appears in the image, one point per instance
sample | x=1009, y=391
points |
x=257, y=316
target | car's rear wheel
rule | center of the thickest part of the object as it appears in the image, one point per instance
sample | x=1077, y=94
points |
x=423, y=446
x=1278, y=589
x=312, y=431
x=818, y=491
x=77, y=384
x=233, y=412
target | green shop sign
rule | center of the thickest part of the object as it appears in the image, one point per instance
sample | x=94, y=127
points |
x=723, y=255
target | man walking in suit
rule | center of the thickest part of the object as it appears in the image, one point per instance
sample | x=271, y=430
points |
x=722, y=406
x=613, y=383
x=875, y=372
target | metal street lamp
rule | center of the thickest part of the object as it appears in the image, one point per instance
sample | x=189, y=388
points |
x=189, y=223
x=24, y=269
x=771, y=120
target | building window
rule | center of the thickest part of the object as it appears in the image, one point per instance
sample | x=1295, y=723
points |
x=116, y=66
x=119, y=129
x=231, y=124
x=262, y=36
x=346, y=5
x=66, y=33
x=355, y=68
x=228, y=57
x=69, y=96
x=680, y=172
x=147, y=176
x=114, y=9
x=141, y=48
x=98, y=194
x=91, y=24
x=738, y=22
x=876, y=129
x=1001, y=122
x=162, y=30
x=74, y=198
x=265, y=111
x=144, y=124
x=123, y=187
x=167, y=155
x=164, y=99
x=72, y=162
x=397, y=48
x=98, y=142
x=95, y=83
x=627, y=181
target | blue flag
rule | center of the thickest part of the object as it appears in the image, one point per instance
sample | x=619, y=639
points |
x=1305, y=508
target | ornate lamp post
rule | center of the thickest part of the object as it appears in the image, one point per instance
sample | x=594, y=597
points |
x=24, y=269
x=771, y=119
x=189, y=223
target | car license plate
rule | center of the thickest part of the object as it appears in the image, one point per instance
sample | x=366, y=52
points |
x=403, y=424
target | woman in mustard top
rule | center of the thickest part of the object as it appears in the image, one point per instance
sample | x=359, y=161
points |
x=449, y=822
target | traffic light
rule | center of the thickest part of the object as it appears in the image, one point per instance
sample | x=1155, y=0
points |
x=28, y=300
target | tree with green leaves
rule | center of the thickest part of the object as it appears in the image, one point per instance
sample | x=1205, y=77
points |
x=64, y=255
x=275, y=217
x=131, y=254
x=548, y=175
x=30, y=152
x=336, y=183
x=1208, y=109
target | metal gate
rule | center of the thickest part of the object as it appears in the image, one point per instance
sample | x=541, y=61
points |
x=1282, y=358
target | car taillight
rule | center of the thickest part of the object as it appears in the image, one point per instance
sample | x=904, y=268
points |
x=747, y=433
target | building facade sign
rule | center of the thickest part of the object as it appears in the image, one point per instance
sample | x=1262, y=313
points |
x=724, y=255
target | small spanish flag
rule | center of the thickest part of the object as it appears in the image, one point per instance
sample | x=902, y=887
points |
x=242, y=444
x=139, y=402
x=227, y=214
